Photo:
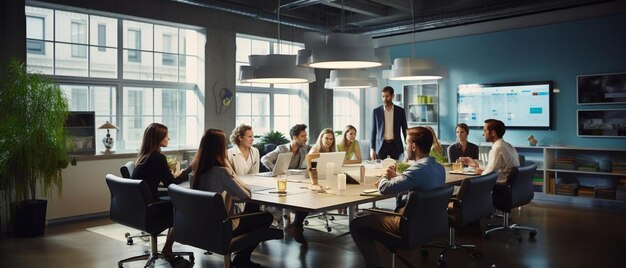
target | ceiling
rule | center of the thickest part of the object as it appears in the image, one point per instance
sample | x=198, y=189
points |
x=380, y=18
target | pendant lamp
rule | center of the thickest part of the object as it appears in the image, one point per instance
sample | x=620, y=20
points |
x=275, y=68
x=413, y=68
x=350, y=79
x=337, y=51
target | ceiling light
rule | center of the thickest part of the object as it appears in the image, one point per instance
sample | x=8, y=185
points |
x=350, y=79
x=412, y=68
x=337, y=51
x=275, y=69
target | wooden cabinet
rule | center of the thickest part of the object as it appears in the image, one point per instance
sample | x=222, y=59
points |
x=82, y=126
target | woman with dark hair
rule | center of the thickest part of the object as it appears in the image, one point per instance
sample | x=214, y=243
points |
x=212, y=172
x=350, y=145
x=462, y=147
x=151, y=166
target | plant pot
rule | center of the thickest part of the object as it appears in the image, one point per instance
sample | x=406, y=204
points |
x=30, y=218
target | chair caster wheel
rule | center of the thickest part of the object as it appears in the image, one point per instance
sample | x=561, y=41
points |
x=328, y=229
x=424, y=253
x=129, y=241
x=532, y=234
x=306, y=222
x=441, y=263
x=192, y=259
x=208, y=253
x=126, y=235
x=332, y=218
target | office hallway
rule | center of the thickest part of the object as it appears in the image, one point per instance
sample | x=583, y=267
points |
x=568, y=237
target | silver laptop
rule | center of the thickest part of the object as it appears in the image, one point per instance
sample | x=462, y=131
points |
x=325, y=158
x=281, y=166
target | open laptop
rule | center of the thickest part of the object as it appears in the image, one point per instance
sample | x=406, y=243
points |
x=325, y=158
x=281, y=166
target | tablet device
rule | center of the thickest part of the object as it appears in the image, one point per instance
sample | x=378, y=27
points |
x=350, y=179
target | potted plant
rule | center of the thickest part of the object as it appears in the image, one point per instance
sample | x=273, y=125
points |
x=33, y=142
x=270, y=140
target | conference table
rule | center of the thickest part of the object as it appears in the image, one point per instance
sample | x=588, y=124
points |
x=303, y=196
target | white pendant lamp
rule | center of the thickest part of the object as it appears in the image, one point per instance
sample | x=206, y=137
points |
x=413, y=68
x=337, y=51
x=275, y=68
x=350, y=79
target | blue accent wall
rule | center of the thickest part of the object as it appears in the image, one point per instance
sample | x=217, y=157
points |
x=556, y=52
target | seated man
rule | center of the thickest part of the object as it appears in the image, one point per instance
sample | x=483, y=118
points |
x=298, y=147
x=424, y=174
x=502, y=156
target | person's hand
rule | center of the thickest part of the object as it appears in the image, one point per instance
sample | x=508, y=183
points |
x=479, y=171
x=391, y=172
x=373, y=154
x=377, y=182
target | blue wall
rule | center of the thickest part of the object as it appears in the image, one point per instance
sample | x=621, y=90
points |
x=557, y=52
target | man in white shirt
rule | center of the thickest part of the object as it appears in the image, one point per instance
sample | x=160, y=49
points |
x=388, y=125
x=502, y=157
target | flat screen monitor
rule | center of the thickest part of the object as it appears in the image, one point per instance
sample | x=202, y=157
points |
x=518, y=105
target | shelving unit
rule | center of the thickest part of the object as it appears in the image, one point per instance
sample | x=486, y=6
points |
x=83, y=129
x=421, y=103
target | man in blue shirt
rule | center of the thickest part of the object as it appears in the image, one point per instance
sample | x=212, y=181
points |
x=424, y=174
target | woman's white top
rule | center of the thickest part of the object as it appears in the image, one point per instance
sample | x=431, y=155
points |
x=241, y=165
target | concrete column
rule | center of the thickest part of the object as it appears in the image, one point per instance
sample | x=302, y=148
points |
x=320, y=105
x=220, y=76
x=12, y=32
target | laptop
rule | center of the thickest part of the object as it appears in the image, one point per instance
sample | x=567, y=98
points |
x=281, y=166
x=325, y=158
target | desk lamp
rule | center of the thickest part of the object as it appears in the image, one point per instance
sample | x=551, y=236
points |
x=108, y=141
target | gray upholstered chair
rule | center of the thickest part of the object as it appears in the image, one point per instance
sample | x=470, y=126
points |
x=132, y=205
x=472, y=203
x=201, y=221
x=424, y=218
x=517, y=191
x=127, y=169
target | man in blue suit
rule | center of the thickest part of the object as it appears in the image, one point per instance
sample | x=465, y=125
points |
x=389, y=121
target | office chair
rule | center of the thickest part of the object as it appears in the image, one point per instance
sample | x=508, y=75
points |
x=201, y=221
x=132, y=205
x=472, y=203
x=516, y=192
x=424, y=219
x=127, y=171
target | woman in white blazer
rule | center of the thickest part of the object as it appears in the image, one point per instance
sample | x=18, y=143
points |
x=243, y=157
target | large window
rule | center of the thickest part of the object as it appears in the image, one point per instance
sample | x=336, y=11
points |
x=130, y=72
x=346, y=110
x=269, y=106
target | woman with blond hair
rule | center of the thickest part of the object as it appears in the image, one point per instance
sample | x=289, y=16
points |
x=243, y=157
x=350, y=145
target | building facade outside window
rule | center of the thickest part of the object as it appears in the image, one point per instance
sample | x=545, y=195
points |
x=109, y=65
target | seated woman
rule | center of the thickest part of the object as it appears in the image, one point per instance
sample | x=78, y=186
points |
x=243, y=157
x=213, y=173
x=152, y=166
x=325, y=144
x=462, y=148
x=350, y=145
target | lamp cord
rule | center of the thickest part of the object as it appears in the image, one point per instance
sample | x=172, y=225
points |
x=413, y=19
x=278, y=18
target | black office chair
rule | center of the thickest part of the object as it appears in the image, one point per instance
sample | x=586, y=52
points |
x=423, y=219
x=132, y=205
x=472, y=203
x=127, y=170
x=517, y=191
x=201, y=221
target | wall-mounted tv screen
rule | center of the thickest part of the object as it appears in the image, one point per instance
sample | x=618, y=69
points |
x=518, y=105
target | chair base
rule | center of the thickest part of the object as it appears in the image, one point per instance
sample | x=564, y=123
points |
x=154, y=255
x=515, y=228
x=327, y=217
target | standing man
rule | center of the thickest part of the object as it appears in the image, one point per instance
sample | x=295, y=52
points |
x=424, y=174
x=298, y=147
x=502, y=156
x=389, y=121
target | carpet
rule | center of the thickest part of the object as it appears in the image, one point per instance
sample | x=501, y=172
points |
x=117, y=231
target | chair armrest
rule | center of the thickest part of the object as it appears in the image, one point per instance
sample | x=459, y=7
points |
x=456, y=200
x=386, y=212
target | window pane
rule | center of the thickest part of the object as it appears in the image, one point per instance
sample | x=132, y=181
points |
x=260, y=124
x=166, y=67
x=137, y=35
x=103, y=31
x=188, y=42
x=65, y=64
x=281, y=104
x=104, y=100
x=165, y=39
x=259, y=47
x=282, y=124
x=244, y=103
x=243, y=49
x=41, y=62
x=346, y=109
x=189, y=69
x=75, y=22
x=260, y=104
x=103, y=63
x=46, y=27
x=140, y=69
